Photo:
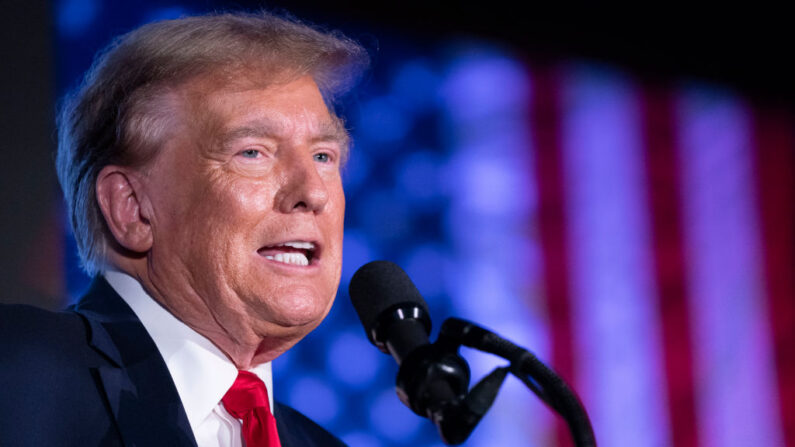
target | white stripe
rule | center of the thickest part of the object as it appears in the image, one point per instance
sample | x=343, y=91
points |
x=734, y=375
x=614, y=305
x=496, y=270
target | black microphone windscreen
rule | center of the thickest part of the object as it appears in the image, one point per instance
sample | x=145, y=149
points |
x=378, y=286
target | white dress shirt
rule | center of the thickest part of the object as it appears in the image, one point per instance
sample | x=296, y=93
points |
x=202, y=373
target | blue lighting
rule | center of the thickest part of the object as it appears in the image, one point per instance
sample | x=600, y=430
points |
x=168, y=13
x=427, y=266
x=357, y=251
x=359, y=439
x=353, y=361
x=484, y=82
x=418, y=177
x=385, y=216
x=357, y=170
x=487, y=185
x=285, y=361
x=380, y=121
x=74, y=16
x=316, y=399
x=393, y=420
x=416, y=85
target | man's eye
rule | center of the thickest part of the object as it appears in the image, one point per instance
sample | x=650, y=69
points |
x=322, y=157
x=250, y=153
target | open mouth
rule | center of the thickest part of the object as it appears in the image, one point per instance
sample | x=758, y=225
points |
x=299, y=253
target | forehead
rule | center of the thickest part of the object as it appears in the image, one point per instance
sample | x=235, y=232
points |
x=275, y=108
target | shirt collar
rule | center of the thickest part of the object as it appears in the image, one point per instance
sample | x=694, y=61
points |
x=201, y=373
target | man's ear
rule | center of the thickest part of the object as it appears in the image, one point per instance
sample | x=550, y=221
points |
x=121, y=205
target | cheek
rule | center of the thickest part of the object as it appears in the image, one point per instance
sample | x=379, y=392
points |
x=335, y=232
x=235, y=205
x=217, y=224
x=336, y=203
x=338, y=214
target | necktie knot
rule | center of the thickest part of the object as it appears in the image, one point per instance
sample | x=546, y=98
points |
x=247, y=393
x=247, y=400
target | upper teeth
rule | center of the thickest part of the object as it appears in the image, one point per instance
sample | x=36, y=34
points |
x=300, y=245
x=293, y=258
x=290, y=258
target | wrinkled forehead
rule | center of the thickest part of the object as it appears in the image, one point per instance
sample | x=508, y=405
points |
x=209, y=101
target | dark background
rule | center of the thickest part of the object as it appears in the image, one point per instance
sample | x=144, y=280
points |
x=747, y=46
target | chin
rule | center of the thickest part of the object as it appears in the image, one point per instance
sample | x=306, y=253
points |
x=297, y=309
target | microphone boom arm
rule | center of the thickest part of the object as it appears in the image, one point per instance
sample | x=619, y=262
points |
x=542, y=380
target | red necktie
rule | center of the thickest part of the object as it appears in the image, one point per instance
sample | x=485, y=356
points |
x=248, y=400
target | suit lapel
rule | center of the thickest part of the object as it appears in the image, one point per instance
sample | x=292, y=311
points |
x=285, y=436
x=137, y=384
x=296, y=430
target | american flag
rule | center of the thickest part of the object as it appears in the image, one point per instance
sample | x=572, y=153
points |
x=636, y=235
x=661, y=219
x=665, y=216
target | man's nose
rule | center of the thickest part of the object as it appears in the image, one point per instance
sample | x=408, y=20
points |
x=304, y=189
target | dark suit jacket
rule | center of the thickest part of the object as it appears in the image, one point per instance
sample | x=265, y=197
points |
x=92, y=376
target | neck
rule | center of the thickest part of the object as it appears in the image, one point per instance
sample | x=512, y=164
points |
x=239, y=341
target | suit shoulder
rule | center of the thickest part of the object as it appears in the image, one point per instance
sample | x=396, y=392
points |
x=46, y=368
x=300, y=430
x=29, y=334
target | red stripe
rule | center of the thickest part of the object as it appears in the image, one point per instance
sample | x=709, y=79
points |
x=774, y=134
x=546, y=125
x=670, y=262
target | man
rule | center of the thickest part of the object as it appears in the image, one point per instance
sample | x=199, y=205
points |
x=201, y=166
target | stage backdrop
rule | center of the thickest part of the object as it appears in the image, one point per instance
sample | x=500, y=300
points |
x=637, y=237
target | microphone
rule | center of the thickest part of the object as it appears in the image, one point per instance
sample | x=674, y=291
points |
x=391, y=309
x=431, y=379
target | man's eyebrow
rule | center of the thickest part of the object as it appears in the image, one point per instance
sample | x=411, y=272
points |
x=255, y=129
x=332, y=131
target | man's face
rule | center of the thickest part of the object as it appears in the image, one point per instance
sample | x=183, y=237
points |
x=247, y=214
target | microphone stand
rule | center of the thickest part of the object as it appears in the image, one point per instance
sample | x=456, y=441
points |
x=433, y=383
